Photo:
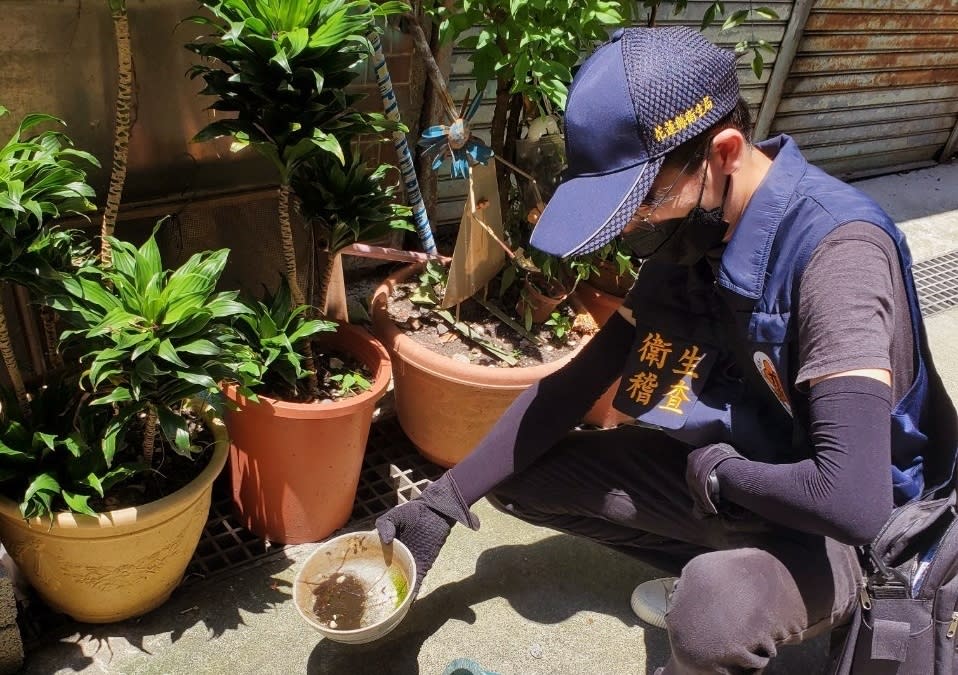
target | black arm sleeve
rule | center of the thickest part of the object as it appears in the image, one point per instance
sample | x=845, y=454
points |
x=844, y=490
x=546, y=411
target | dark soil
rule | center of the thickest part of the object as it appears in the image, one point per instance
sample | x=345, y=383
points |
x=340, y=602
x=433, y=332
x=172, y=471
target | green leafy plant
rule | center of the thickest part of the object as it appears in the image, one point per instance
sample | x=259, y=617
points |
x=350, y=382
x=42, y=177
x=346, y=203
x=528, y=48
x=431, y=281
x=275, y=331
x=151, y=338
x=282, y=68
x=51, y=460
x=560, y=324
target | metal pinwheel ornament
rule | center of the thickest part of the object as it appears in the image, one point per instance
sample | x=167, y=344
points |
x=455, y=140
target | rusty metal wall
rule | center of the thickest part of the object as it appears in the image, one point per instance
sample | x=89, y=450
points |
x=452, y=193
x=873, y=86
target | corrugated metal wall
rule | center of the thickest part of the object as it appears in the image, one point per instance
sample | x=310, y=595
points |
x=452, y=193
x=873, y=86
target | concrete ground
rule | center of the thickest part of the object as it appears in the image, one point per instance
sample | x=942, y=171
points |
x=515, y=598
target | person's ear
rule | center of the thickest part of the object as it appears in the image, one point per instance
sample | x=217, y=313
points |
x=729, y=147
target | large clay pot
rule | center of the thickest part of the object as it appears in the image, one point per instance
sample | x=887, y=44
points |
x=119, y=564
x=295, y=467
x=445, y=407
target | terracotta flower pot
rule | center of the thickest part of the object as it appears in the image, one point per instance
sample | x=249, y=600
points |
x=540, y=304
x=601, y=305
x=295, y=467
x=122, y=563
x=445, y=407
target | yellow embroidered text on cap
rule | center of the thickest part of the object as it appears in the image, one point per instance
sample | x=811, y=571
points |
x=683, y=120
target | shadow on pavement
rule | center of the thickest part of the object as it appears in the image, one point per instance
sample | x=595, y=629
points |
x=251, y=590
x=542, y=582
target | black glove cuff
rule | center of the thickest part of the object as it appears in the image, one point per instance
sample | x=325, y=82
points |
x=443, y=497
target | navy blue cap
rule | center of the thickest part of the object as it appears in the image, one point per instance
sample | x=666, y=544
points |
x=636, y=98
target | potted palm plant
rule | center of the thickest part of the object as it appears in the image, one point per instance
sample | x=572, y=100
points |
x=41, y=178
x=107, y=474
x=282, y=70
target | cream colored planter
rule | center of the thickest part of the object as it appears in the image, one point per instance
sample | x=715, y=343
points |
x=122, y=563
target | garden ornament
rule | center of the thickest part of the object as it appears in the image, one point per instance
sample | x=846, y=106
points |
x=455, y=140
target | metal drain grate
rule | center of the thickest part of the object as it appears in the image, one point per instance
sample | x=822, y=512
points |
x=937, y=282
x=393, y=472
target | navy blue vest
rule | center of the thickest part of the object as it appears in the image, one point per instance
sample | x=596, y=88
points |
x=715, y=353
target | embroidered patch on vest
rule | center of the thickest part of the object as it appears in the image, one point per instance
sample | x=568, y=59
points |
x=662, y=379
x=767, y=370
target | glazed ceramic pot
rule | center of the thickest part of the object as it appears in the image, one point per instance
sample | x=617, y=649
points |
x=119, y=564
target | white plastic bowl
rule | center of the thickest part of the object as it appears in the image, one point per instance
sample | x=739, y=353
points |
x=387, y=574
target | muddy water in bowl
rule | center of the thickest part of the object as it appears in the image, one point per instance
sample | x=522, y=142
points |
x=343, y=601
x=352, y=589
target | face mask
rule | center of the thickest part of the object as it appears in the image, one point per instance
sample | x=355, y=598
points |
x=684, y=240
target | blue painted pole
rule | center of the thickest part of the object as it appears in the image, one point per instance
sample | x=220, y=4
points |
x=406, y=166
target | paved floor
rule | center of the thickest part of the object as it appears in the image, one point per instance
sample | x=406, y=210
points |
x=516, y=598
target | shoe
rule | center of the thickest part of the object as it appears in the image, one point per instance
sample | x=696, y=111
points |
x=650, y=600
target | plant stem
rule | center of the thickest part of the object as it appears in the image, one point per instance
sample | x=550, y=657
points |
x=296, y=293
x=121, y=129
x=149, y=435
x=326, y=279
x=498, y=137
x=512, y=128
x=49, y=320
x=10, y=360
x=435, y=74
x=289, y=248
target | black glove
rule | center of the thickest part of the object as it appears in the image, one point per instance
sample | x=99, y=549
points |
x=423, y=524
x=702, y=478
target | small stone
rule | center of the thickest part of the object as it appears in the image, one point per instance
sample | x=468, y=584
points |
x=414, y=324
x=461, y=358
x=341, y=578
x=548, y=348
x=333, y=624
x=442, y=329
x=536, y=651
x=335, y=364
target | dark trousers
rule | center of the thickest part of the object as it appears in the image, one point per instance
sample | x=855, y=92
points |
x=745, y=585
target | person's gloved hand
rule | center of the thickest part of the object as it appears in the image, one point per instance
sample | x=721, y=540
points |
x=423, y=524
x=700, y=476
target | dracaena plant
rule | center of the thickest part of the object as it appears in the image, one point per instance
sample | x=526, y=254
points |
x=52, y=460
x=42, y=177
x=151, y=338
x=275, y=331
x=281, y=68
x=346, y=203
